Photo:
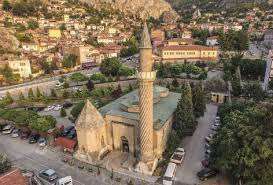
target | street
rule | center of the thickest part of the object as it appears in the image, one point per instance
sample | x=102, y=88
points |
x=195, y=151
x=45, y=85
x=31, y=157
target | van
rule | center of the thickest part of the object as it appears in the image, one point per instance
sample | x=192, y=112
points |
x=65, y=181
x=169, y=176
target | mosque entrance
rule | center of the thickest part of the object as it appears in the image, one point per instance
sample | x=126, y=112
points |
x=124, y=144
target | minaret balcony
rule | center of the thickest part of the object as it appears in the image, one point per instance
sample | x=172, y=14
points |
x=147, y=75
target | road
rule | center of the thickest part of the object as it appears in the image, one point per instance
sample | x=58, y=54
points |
x=195, y=151
x=33, y=158
x=45, y=85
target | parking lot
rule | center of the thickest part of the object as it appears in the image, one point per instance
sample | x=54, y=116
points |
x=33, y=158
x=195, y=150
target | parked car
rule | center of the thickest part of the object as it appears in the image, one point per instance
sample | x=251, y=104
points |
x=207, y=146
x=42, y=141
x=57, y=107
x=178, y=156
x=48, y=174
x=2, y=126
x=67, y=130
x=67, y=104
x=206, y=173
x=25, y=134
x=72, y=134
x=65, y=181
x=15, y=133
x=49, y=108
x=209, y=138
x=33, y=138
x=8, y=129
x=169, y=176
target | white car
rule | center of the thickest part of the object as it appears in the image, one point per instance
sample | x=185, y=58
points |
x=209, y=138
x=49, y=108
x=8, y=129
x=57, y=107
x=15, y=133
x=178, y=156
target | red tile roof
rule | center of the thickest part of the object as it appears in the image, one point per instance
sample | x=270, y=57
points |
x=65, y=143
x=13, y=177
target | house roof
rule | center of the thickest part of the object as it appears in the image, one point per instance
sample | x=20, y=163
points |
x=189, y=48
x=13, y=177
x=164, y=107
x=65, y=142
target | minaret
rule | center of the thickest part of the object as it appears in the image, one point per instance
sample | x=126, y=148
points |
x=146, y=77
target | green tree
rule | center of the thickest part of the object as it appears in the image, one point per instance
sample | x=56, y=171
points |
x=6, y=5
x=21, y=96
x=242, y=146
x=78, y=77
x=236, y=83
x=110, y=66
x=90, y=85
x=66, y=94
x=69, y=61
x=76, y=110
x=254, y=91
x=184, y=117
x=31, y=94
x=198, y=100
x=43, y=124
x=5, y=163
x=175, y=83
x=53, y=93
x=33, y=25
x=39, y=95
x=8, y=98
x=62, y=27
x=62, y=112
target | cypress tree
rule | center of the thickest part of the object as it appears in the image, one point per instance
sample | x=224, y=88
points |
x=21, y=96
x=9, y=99
x=184, y=117
x=31, y=94
x=236, y=83
x=198, y=100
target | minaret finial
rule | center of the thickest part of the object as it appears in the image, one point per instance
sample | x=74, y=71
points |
x=145, y=37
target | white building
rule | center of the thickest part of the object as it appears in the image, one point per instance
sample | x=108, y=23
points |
x=21, y=67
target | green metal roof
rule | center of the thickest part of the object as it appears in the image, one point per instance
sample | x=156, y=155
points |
x=163, y=109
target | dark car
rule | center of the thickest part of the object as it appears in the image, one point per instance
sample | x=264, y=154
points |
x=25, y=134
x=72, y=134
x=66, y=130
x=33, y=138
x=206, y=173
x=48, y=174
x=67, y=104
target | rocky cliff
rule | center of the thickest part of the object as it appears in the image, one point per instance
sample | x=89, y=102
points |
x=141, y=8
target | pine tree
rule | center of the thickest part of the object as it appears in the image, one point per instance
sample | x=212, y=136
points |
x=90, y=85
x=184, y=118
x=175, y=83
x=9, y=99
x=62, y=112
x=236, y=83
x=31, y=94
x=21, y=96
x=118, y=92
x=198, y=100
x=38, y=93
x=53, y=93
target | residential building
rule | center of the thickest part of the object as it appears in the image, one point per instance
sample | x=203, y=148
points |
x=21, y=67
x=212, y=41
x=180, y=41
x=188, y=53
x=55, y=33
x=13, y=177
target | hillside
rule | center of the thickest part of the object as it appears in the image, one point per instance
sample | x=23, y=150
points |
x=141, y=8
x=181, y=5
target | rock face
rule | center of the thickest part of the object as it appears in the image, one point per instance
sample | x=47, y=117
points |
x=142, y=8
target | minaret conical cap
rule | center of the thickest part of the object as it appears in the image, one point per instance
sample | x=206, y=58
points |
x=145, y=38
